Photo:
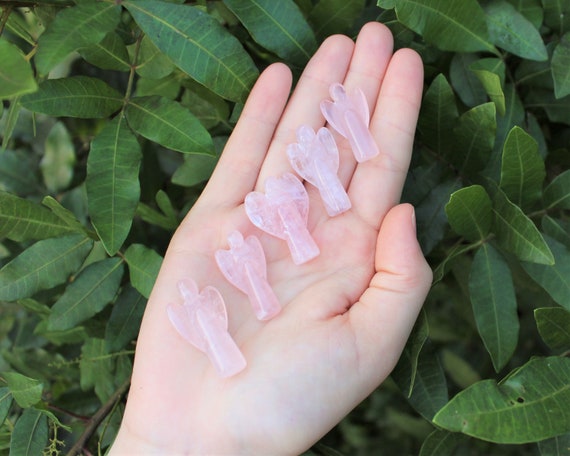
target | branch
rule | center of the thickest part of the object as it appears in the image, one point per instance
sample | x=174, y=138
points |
x=95, y=421
x=6, y=10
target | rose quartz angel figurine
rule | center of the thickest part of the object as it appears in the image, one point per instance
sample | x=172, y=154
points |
x=315, y=158
x=349, y=115
x=283, y=212
x=244, y=266
x=202, y=320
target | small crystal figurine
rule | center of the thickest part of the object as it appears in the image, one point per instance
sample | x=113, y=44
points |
x=244, y=266
x=315, y=158
x=283, y=212
x=202, y=320
x=349, y=115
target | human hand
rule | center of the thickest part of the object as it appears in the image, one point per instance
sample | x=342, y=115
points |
x=346, y=314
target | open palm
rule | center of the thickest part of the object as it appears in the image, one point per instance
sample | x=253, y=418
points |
x=346, y=314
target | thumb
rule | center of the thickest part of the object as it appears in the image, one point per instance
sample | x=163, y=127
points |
x=383, y=318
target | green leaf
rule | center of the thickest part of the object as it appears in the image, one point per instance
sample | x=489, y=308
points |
x=124, y=322
x=30, y=434
x=198, y=45
x=208, y=107
x=474, y=139
x=557, y=15
x=553, y=324
x=59, y=159
x=465, y=82
x=151, y=62
x=15, y=173
x=16, y=75
x=561, y=67
x=535, y=74
x=405, y=371
x=451, y=26
x=194, y=170
x=96, y=369
x=557, y=229
x=420, y=181
x=515, y=115
x=144, y=264
x=429, y=393
x=556, y=446
x=22, y=220
x=168, y=218
x=330, y=17
x=154, y=217
x=456, y=252
x=168, y=87
x=529, y=405
x=386, y=4
x=494, y=304
x=26, y=391
x=165, y=205
x=554, y=278
x=440, y=443
x=112, y=183
x=430, y=215
x=65, y=215
x=522, y=169
x=438, y=113
x=73, y=28
x=557, y=194
x=109, y=54
x=5, y=403
x=531, y=10
x=169, y=124
x=77, y=96
x=87, y=295
x=511, y=31
x=44, y=265
x=535, y=130
x=459, y=369
x=277, y=26
x=470, y=212
x=557, y=110
x=491, y=74
x=517, y=233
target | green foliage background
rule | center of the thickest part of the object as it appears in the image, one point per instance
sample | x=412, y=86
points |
x=113, y=116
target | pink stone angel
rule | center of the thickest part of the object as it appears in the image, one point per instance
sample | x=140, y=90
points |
x=283, y=212
x=315, y=158
x=202, y=320
x=244, y=266
x=350, y=116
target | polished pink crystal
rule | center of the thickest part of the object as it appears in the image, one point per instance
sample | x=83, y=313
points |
x=283, y=212
x=202, y=320
x=349, y=115
x=244, y=266
x=315, y=158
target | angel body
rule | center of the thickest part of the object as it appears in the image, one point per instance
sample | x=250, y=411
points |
x=244, y=266
x=283, y=212
x=315, y=158
x=350, y=116
x=202, y=320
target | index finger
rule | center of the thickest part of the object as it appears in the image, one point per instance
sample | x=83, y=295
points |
x=237, y=170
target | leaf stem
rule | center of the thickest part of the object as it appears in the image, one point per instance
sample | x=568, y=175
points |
x=97, y=419
x=6, y=10
x=68, y=413
x=133, y=70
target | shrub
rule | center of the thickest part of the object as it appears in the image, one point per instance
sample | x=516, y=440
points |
x=112, y=121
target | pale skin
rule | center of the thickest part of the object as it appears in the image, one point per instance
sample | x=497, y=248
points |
x=346, y=314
